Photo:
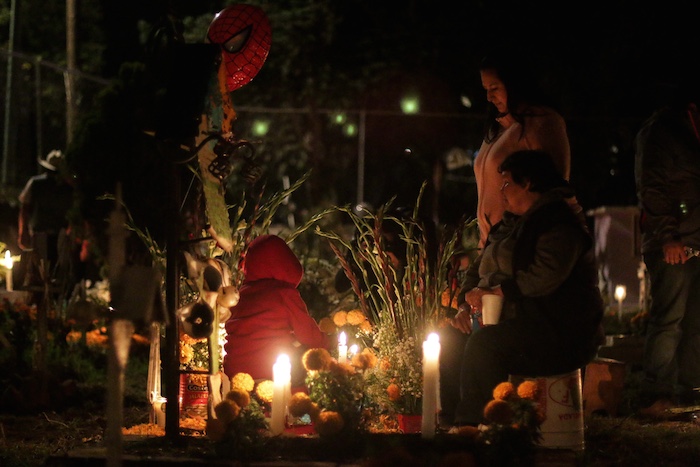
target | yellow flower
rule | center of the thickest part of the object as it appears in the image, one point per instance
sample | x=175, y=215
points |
x=529, y=389
x=240, y=396
x=328, y=423
x=366, y=326
x=264, y=390
x=326, y=324
x=242, y=381
x=316, y=359
x=365, y=359
x=186, y=353
x=504, y=391
x=355, y=317
x=499, y=411
x=394, y=392
x=226, y=411
x=300, y=404
x=340, y=318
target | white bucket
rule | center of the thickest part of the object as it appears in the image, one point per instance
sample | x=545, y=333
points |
x=562, y=402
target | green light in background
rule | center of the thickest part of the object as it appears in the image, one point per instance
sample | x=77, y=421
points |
x=339, y=118
x=350, y=129
x=261, y=127
x=410, y=105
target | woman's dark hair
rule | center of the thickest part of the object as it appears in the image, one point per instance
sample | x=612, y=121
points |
x=534, y=166
x=520, y=84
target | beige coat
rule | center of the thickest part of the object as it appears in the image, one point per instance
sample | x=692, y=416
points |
x=544, y=129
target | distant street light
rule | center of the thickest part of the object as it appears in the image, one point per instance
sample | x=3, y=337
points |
x=410, y=105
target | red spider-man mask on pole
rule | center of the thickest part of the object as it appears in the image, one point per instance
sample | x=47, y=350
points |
x=244, y=33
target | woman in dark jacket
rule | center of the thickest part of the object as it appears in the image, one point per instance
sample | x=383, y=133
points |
x=540, y=258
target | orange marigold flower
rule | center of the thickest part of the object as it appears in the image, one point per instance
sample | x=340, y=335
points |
x=340, y=318
x=504, y=391
x=366, y=326
x=365, y=359
x=337, y=368
x=329, y=423
x=240, y=396
x=384, y=364
x=186, y=354
x=355, y=317
x=499, y=411
x=226, y=411
x=300, y=404
x=265, y=390
x=316, y=359
x=326, y=324
x=394, y=392
x=73, y=337
x=242, y=381
x=529, y=389
x=540, y=414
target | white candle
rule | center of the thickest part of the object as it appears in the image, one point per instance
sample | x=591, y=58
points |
x=281, y=375
x=159, y=410
x=431, y=355
x=620, y=294
x=342, y=348
x=8, y=263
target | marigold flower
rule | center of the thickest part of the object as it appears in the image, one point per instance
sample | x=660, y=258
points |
x=329, y=423
x=316, y=359
x=300, y=404
x=366, y=326
x=265, y=390
x=226, y=411
x=240, y=396
x=504, y=391
x=242, y=381
x=186, y=354
x=499, y=411
x=529, y=389
x=73, y=337
x=337, y=368
x=355, y=317
x=365, y=359
x=384, y=364
x=540, y=414
x=327, y=325
x=340, y=318
x=394, y=392
x=467, y=430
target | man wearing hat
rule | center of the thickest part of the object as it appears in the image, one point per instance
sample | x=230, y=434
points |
x=44, y=203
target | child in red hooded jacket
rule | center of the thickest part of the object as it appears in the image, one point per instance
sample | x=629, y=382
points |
x=270, y=317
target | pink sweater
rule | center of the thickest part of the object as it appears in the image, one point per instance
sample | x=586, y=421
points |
x=544, y=130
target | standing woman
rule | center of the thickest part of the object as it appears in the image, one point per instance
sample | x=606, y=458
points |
x=519, y=117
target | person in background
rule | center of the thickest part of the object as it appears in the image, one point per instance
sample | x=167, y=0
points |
x=667, y=173
x=519, y=116
x=44, y=203
x=540, y=258
x=270, y=317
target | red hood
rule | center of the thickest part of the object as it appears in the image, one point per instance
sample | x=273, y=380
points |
x=269, y=257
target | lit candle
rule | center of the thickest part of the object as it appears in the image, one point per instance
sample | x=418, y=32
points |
x=342, y=348
x=281, y=375
x=8, y=262
x=353, y=350
x=159, y=410
x=620, y=294
x=431, y=375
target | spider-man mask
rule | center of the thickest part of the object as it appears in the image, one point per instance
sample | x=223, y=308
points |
x=244, y=33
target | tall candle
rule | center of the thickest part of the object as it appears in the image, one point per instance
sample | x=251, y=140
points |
x=342, y=348
x=431, y=375
x=8, y=263
x=281, y=376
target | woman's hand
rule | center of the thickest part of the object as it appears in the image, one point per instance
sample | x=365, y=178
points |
x=463, y=319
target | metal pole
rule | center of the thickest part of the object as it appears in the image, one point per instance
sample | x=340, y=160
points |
x=361, y=158
x=8, y=92
x=69, y=76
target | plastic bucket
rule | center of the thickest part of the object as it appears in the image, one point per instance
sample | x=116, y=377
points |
x=562, y=402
